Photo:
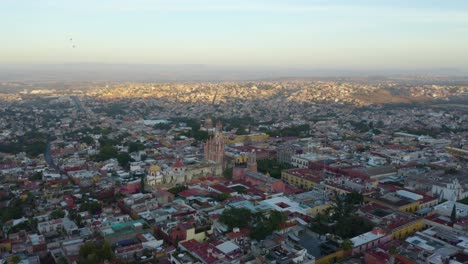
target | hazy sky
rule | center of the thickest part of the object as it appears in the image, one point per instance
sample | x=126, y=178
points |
x=308, y=33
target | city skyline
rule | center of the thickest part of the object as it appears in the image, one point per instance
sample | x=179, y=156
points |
x=305, y=34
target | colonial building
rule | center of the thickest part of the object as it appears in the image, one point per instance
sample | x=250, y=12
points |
x=452, y=191
x=208, y=125
x=177, y=174
x=258, y=180
x=214, y=150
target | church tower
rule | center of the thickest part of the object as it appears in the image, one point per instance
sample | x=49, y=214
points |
x=209, y=125
x=214, y=149
x=252, y=161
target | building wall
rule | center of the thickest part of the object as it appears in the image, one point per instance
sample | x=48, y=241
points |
x=297, y=181
x=428, y=204
x=331, y=258
x=403, y=260
x=409, y=229
x=372, y=259
x=299, y=162
x=430, y=223
x=410, y=208
x=5, y=246
x=278, y=186
x=340, y=191
x=244, y=138
x=319, y=209
x=200, y=237
x=372, y=244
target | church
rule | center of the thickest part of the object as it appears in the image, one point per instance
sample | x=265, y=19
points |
x=259, y=180
x=214, y=150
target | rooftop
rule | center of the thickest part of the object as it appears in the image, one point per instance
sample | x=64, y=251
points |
x=366, y=238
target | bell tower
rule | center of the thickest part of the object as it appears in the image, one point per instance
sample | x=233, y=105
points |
x=252, y=161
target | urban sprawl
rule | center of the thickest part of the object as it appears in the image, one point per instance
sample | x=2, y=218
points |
x=289, y=171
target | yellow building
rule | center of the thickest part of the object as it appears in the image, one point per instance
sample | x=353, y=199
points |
x=319, y=209
x=457, y=151
x=396, y=200
x=199, y=234
x=331, y=258
x=237, y=158
x=408, y=229
x=398, y=224
x=301, y=178
x=244, y=138
x=5, y=245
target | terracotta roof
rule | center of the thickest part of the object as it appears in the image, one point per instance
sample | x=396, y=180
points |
x=178, y=164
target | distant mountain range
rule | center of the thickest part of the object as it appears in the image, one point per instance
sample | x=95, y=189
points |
x=193, y=72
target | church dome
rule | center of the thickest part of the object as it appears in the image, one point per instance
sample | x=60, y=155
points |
x=178, y=164
x=154, y=168
x=208, y=122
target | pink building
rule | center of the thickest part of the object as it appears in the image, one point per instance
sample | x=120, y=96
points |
x=214, y=147
x=129, y=187
x=259, y=180
x=369, y=240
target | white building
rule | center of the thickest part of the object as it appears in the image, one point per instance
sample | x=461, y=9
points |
x=453, y=191
x=447, y=207
x=303, y=160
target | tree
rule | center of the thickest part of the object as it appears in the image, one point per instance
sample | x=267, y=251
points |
x=105, y=252
x=87, y=140
x=263, y=226
x=276, y=219
x=93, y=254
x=36, y=176
x=272, y=167
x=222, y=196
x=347, y=245
x=124, y=159
x=453, y=215
x=142, y=183
x=107, y=152
x=227, y=173
x=87, y=248
x=162, y=126
x=62, y=260
x=135, y=146
x=393, y=251
x=177, y=189
x=241, y=131
x=236, y=217
x=14, y=259
x=91, y=207
x=342, y=217
x=345, y=205
x=57, y=214
x=354, y=198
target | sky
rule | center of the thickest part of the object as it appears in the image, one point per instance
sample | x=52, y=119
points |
x=293, y=33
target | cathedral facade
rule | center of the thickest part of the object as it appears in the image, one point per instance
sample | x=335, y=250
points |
x=214, y=150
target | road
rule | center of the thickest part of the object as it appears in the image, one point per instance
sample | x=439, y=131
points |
x=79, y=105
x=48, y=158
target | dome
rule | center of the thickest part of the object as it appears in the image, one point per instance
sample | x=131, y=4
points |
x=154, y=168
x=178, y=164
x=208, y=122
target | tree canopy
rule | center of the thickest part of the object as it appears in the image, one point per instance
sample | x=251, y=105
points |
x=236, y=217
x=59, y=213
x=91, y=253
x=341, y=217
x=91, y=207
x=272, y=167
x=262, y=224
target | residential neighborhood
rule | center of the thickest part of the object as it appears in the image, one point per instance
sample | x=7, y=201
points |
x=287, y=171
